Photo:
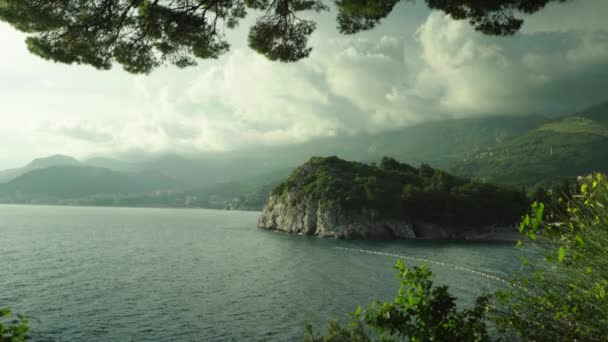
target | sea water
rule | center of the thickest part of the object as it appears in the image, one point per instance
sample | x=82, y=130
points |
x=123, y=274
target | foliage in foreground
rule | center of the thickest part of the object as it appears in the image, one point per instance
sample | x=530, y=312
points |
x=12, y=328
x=421, y=312
x=561, y=294
x=141, y=35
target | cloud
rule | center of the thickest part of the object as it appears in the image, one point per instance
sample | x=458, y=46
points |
x=444, y=70
x=85, y=132
x=528, y=73
x=372, y=82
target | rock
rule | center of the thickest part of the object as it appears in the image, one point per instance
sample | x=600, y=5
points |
x=309, y=217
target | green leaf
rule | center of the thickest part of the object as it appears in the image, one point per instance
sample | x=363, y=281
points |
x=579, y=240
x=561, y=254
x=524, y=261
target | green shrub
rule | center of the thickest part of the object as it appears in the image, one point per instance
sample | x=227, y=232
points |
x=13, y=328
x=421, y=312
x=562, y=293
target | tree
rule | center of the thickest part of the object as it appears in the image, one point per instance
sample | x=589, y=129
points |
x=144, y=34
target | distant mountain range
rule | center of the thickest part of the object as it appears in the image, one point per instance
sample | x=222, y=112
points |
x=529, y=151
x=56, y=160
x=64, y=182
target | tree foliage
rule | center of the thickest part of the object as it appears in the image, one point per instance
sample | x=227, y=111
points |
x=13, y=328
x=400, y=190
x=143, y=34
x=562, y=295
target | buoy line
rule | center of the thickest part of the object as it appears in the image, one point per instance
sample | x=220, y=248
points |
x=440, y=263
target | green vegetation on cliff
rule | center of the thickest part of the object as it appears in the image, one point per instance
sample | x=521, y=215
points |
x=399, y=190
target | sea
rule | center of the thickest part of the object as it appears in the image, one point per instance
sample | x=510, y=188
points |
x=147, y=274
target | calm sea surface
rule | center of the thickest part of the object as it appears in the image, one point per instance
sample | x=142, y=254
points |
x=116, y=274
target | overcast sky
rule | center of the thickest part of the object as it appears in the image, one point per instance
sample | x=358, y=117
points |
x=416, y=66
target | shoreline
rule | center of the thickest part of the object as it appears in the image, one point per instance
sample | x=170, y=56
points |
x=119, y=207
x=497, y=237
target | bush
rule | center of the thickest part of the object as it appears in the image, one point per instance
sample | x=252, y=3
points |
x=421, y=312
x=562, y=294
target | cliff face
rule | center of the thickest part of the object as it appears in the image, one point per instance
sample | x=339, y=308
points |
x=309, y=217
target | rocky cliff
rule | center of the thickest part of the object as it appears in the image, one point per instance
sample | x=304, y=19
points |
x=309, y=217
x=329, y=197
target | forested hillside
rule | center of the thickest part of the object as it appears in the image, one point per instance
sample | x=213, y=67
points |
x=399, y=190
x=556, y=150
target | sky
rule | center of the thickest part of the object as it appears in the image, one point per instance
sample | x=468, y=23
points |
x=416, y=66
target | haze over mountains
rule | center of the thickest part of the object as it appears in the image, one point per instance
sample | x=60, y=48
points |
x=527, y=151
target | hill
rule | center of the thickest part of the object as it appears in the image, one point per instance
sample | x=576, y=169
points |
x=440, y=143
x=329, y=195
x=39, y=163
x=61, y=183
x=598, y=113
x=111, y=164
x=558, y=149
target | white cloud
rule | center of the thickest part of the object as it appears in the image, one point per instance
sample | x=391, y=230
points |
x=371, y=82
x=529, y=73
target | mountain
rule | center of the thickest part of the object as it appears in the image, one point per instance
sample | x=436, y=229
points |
x=440, y=143
x=531, y=151
x=58, y=183
x=598, y=113
x=54, y=160
x=331, y=197
x=556, y=150
x=39, y=163
x=111, y=164
x=246, y=194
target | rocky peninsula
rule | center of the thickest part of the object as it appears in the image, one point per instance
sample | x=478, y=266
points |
x=331, y=197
